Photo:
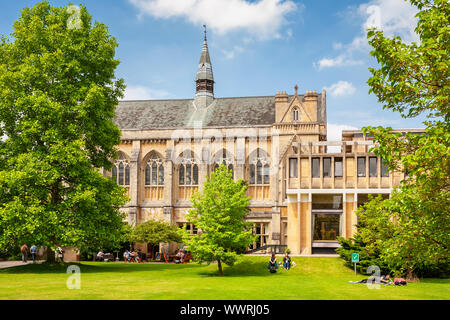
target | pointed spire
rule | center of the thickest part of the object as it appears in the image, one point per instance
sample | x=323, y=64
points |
x=205, y=68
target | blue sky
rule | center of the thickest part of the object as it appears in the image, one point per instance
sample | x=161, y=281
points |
x=257, y=48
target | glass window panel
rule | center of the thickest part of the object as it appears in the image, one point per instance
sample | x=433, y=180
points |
x=114, y=174
x=327, y=167
x=230, y=167
x=195, y=175
x=181, y=175
x=154, y=173
x=315, y=167
x=373, y=162
x=338, y=167
x=326, y=227
x=188, y=174
x=161, y=175
x=121, y=174
x=266, y=174
x=293, y=168
x=327, y=201
x=252, y=174
x=127, y=175
x=384, y=169
x=147, y=175
x=361, y=166
x=259, y=173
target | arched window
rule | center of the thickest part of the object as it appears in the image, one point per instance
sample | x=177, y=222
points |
x=154, y=172
x=227, y=161
x=259, y=170
x=121, y=171
x=258, y=166
x=188, y=172
x=295, y=114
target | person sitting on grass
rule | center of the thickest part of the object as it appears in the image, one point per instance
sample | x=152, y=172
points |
x=273, y=265
x=386, y=279
x=287, y=262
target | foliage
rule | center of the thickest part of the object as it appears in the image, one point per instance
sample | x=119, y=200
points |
x=155, y=232
x=219, y=213
x=365, y=240
x=414, y=80
x=58, y=94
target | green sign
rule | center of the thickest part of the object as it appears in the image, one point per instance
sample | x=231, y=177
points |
x=355, y=257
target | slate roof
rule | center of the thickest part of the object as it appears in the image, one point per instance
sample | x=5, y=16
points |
x=223, y=112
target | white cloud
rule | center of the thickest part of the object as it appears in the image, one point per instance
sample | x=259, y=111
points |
x=262, y=19
x=341, y=88
x=394, y=17
x=334, y=133
x=230, y=54
x=144, y=93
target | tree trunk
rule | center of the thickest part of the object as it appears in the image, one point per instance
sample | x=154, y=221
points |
x=50, y=255
x=220, y=267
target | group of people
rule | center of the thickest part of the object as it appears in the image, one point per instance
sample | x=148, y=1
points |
x=273, y=264
x=182, y=256
x=24, y=250
x=59, y=253
x=133, y=255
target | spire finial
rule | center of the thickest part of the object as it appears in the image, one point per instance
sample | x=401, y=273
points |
x=296, y=90
x=204, y=26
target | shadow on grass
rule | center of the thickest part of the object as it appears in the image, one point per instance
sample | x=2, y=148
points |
x=243, y=268
x=92, y=267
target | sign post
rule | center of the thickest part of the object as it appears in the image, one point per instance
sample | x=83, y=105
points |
x=355, y=259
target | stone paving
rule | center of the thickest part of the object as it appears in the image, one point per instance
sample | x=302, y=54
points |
x=10, y=264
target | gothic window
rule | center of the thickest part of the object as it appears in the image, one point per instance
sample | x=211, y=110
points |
x=295, y=112
x=188, y=172
x=121, y=171
x=226, y=161
x=154, y=172
x=259, y=171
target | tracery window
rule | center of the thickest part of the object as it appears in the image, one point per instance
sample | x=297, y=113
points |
x=121, y=171
x=227, y=161
x=154, y=178
x=259, y=176
x=187, y=177
x=154, y=172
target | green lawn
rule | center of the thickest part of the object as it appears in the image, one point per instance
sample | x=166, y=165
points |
x=312, y=278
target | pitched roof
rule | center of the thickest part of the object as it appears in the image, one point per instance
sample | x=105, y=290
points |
x=223, y=112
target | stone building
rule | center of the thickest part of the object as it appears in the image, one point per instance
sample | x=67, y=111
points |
x=304, y=190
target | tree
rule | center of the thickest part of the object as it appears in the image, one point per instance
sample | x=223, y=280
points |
x=58, y=95
x=155, y=232
x=414, y=80
x=219, y=214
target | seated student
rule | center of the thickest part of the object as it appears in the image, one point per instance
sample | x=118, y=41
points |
x=100, y=256
x=126, y=256
x=273, y=265
x=287, y=262
x=386, y=279
x=178, y=257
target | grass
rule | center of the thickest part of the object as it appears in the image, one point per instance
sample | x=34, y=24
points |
x=312, y=278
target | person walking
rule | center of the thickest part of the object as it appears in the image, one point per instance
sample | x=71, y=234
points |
x=33, y=251
x=24, y=251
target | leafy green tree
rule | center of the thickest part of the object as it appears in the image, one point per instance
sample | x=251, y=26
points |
x=58, y=95
x=414, y=80
x=219, y=214
x=155, y=232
